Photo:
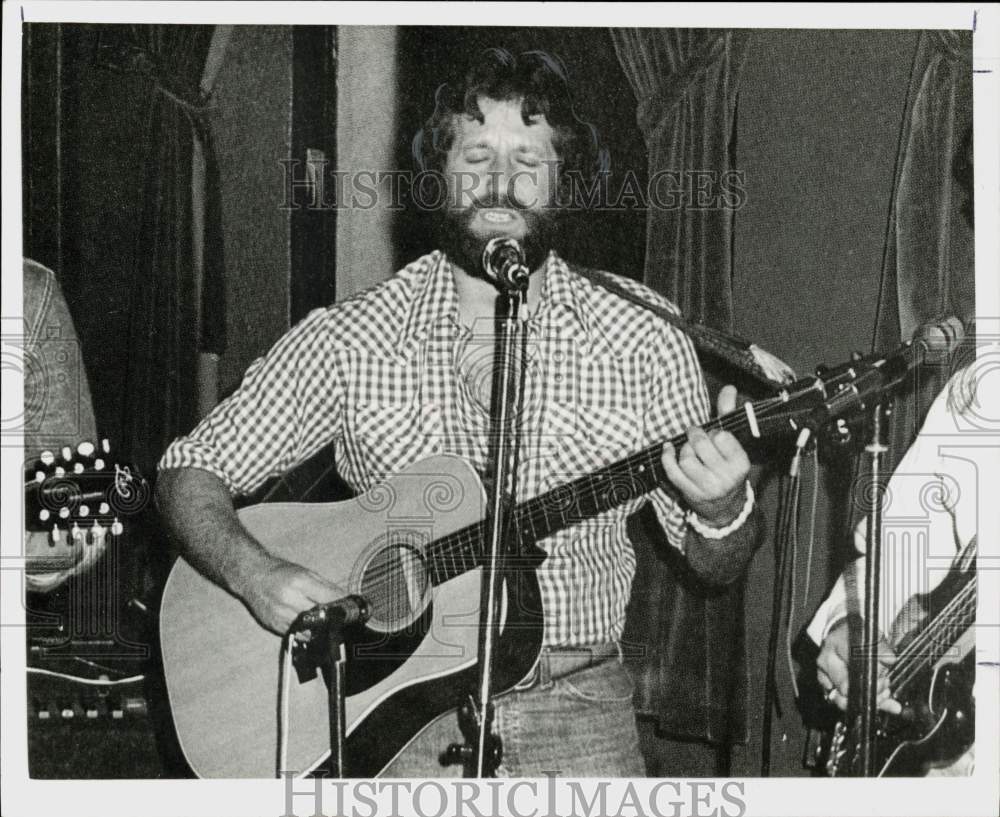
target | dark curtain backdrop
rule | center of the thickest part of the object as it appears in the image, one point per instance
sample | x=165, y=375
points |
x=928, y=271
x=177, y=298
x=693, y=679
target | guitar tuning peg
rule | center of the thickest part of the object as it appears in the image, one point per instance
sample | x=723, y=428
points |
x=64, y=513
x=78, y=468
x=44, y=515
x=84, y=510
x=47, y=458
x=117, y=527
x=67, y=453
x=98, y=464
x=39, y=476
x=97, y=533
x=56, y=536
x=105, y=446
x=85, y=449
x=76, y=534
x=60, y=471
x=104, y=509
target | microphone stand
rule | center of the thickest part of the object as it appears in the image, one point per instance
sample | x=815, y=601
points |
x=867, y=694
x=317, y=638
x=482, y=751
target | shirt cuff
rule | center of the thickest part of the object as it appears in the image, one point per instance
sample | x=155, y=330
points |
x=188, y=452
x=831, y=612
x=709, y=532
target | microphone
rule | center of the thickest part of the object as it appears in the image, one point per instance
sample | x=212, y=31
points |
x=937, y=340
x=932, y=343
x=503, y=263
x=349, y=610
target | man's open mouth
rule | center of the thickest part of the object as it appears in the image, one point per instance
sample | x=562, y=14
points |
x=499, y=215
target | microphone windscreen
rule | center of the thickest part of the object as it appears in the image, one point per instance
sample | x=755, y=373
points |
x=939, y=338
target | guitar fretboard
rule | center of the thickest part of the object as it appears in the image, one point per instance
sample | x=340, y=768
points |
x=559, y=508
x=937, y=638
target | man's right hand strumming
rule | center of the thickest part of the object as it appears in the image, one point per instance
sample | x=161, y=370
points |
x=832, y=669
x=276, y=595
x=199, y=512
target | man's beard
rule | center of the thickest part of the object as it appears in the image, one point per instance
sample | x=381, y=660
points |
x=453, y=234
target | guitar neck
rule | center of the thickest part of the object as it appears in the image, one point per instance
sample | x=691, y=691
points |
x=574, y=502
x=937, y=638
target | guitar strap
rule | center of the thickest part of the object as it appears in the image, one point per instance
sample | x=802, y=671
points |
x=768, y=370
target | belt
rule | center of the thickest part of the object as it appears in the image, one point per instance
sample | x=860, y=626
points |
x=556, y=662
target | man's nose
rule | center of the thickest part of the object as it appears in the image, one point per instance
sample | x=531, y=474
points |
x=499, y=178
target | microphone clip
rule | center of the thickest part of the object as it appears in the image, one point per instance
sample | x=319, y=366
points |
x=316, y=637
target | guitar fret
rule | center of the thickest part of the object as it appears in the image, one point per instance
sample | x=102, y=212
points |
x=583, y=498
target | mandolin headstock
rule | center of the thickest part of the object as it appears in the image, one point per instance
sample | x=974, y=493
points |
x=81, y=496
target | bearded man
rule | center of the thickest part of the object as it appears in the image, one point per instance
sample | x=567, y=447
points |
x=403, y=372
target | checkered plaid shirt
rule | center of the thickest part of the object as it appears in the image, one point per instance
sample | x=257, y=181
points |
x=391, y=377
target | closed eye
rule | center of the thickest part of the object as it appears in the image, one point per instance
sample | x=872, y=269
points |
x=476, y=156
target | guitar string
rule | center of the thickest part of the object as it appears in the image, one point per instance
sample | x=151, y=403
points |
x=939, y=632
x=917, y=667
x=466, y=540
x=469, y=537
x=947, y=626
x=917, y=658
x=529, y=510
x=914, y=662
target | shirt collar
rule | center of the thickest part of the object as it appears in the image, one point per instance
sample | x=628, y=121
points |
x=437, y=298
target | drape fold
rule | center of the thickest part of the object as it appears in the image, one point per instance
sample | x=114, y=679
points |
x=693, y=675
x=177, y=298
x=927, y=272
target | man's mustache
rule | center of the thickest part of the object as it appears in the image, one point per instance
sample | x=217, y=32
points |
x=496, y=202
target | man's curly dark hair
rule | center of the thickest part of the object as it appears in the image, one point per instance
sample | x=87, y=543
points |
x=537, y=79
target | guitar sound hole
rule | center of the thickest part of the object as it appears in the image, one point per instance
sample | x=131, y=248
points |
x=395, y=583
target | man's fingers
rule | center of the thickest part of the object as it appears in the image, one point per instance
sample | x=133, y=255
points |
x=886, y=655
x=320, y=590
x=837, y=698
x=703, y=446
x=729, y=447
x=826, y=682
x=726, y=401
x=833, y=678
x=677, y=476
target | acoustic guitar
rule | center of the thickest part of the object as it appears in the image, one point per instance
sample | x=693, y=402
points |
x=411, y=547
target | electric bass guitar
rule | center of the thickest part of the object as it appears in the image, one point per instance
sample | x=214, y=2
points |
x=411, y=548
x=932, y=679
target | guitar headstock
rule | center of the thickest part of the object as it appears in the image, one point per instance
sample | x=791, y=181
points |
x=831, y=403
x=81, y=496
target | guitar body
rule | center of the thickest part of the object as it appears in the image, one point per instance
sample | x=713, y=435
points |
x=415, y=659
x=936, y=727
x=937, y=724
x=411, y=548
x=943, y=725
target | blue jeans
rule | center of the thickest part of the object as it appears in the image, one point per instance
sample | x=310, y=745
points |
x=580, y=725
